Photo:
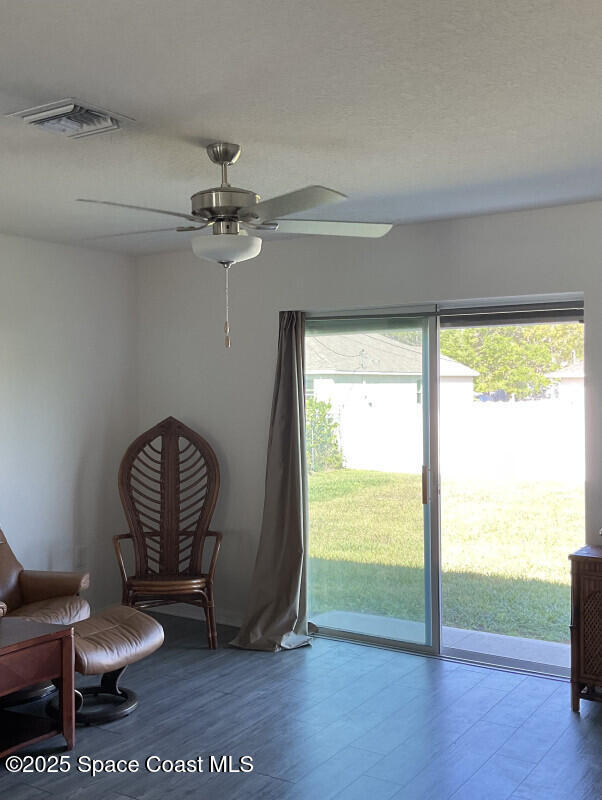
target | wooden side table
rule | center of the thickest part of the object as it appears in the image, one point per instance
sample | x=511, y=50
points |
x=586, y=625
x=32, y=652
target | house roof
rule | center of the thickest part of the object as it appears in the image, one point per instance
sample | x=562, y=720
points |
x=372, y=353
x=574, y=370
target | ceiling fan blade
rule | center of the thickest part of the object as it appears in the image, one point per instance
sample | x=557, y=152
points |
x=139, y=208
x=372, y=230
x=291, y=203
x=259, y=226
x=152, y=230
x=127, y=233
x=194, y=227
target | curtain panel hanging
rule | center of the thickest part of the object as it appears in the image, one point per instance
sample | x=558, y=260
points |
x=276, y=618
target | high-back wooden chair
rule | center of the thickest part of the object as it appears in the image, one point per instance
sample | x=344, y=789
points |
x=168, y=484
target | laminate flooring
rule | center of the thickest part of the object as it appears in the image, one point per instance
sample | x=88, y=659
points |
x=335, y=720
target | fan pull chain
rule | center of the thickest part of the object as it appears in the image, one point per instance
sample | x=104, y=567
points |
x=227, y=323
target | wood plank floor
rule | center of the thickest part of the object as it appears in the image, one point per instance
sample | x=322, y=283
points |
x=336, y=720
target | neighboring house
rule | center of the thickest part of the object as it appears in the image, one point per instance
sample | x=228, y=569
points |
x=569, y=382
x=374, y=385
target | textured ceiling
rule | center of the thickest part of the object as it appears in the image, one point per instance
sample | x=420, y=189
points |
x=416, y=109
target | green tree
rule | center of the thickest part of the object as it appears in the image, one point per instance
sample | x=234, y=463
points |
x=514, y=358
x=321, y=436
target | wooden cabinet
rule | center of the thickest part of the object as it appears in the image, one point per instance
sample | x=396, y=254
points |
x=586, y=625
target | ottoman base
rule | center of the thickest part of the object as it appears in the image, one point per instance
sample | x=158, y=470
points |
x=110, y=702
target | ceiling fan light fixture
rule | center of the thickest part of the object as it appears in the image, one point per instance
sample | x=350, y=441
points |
x=227, y=248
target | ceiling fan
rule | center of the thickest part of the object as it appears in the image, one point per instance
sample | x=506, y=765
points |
x=232, y=212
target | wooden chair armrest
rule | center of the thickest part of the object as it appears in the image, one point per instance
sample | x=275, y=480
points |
x=118, y=553
x=218, y=540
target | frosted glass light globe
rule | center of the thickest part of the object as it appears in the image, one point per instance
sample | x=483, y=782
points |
x=226, y=248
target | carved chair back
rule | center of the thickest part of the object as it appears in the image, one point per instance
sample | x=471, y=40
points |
x=168, y=484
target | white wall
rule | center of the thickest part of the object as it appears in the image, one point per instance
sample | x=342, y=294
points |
x=66, y=405
x=184, y=369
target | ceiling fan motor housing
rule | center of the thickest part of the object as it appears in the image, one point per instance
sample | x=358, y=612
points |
x=223, y=202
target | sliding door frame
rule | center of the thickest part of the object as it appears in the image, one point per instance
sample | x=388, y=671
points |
x=432, y=580
x=560, y=307
x=434, y=485
x=564, y=309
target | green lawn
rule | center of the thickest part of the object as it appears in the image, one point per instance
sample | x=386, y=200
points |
x=504, y=550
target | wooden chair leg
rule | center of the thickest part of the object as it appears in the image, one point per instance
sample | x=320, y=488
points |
x=208, y=620
x=211, y=626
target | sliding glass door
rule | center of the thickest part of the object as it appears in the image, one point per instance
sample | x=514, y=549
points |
x=368, y=400
x=499, y=389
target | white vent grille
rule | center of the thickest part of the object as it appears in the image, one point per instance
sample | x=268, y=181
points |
x=72, y=118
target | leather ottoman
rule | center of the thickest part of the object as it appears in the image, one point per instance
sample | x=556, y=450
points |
x=106, y=643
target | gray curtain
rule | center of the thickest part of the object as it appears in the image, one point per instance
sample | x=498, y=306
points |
x=276, y=618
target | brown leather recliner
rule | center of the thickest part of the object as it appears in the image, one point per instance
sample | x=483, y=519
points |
x=51, y=597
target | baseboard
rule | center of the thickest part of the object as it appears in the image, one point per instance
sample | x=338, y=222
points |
x=224, y=617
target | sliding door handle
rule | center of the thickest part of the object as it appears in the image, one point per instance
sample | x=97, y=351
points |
x=425, y=485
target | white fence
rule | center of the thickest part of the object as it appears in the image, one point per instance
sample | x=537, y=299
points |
x=532, y=440
x=380, y=428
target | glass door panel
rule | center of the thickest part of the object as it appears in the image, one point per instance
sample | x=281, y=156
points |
x=367, y=435
x=512, y=475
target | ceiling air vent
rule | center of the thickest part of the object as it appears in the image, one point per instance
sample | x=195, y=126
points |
x=72, y=118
